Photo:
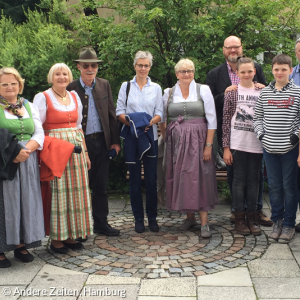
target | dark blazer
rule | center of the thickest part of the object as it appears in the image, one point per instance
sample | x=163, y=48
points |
x=218, y=80
x=105, y=107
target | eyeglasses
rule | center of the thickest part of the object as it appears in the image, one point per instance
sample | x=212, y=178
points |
x=233, y=47
x=143, y=66
x=183, y=72
x=13, y=84
x=93, y=66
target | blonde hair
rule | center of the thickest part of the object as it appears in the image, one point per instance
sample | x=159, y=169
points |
x=184, y=62
x=56, y=67
x=13, y=71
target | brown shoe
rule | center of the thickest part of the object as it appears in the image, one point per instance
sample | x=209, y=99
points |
x=232, y=218
x=263, y=219
x=240, y=224
x=252, y=222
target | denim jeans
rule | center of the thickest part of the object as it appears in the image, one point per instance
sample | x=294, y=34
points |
x=261, y=186
x=135, y=182
x=282, y=172
x=247, y=167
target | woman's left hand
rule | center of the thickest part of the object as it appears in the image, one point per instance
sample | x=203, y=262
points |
x=207, y=153
x=259, y=85
x=88, y=162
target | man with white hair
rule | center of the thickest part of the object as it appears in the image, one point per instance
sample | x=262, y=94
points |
x=100, y=127
x=296, y=77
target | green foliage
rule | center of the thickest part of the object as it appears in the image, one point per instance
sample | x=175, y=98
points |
x=34, y=46
x=224, y=190
x=171, y=29
x=15, y=8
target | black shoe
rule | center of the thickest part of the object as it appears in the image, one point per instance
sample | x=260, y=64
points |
x=81, y=240
x=139, y=226
x=5, y=263
x=26, y=258
x=297, y=227
x=153, y=226
x=61, y=250
x=106, y=229
x=73, y=246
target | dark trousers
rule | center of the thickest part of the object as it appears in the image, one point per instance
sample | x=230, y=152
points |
x=135, y=182
x=98, y=177
x=283, y=191
x=261, y=186
x=246, y=169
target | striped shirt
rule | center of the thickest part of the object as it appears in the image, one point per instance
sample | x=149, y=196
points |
x=277, y=117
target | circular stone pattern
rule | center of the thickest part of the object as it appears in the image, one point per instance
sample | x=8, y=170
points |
x=169, y=252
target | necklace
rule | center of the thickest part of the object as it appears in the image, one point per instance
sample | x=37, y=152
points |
x=64, y=99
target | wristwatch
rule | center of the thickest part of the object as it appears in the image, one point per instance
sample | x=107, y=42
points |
x=208, y=145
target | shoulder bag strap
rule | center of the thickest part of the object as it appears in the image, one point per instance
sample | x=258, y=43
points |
x=127, y=91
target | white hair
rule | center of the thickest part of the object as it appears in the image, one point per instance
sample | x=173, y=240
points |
x=184, y=62
x=56, y=67
x=143, y=54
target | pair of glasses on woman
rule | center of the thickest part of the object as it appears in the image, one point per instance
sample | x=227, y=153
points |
x=183, y=72
x=143, y=66
x=6, y=85
x=93, y=66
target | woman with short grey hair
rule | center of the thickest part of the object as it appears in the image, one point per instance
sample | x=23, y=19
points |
x=141, y=99
x=142, y=55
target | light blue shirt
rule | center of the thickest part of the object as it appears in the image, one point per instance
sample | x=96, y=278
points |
x=93, y=123
x=148, y=100
x=296, y=75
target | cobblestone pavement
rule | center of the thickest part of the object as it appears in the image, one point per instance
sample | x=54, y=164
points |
x=168, y=253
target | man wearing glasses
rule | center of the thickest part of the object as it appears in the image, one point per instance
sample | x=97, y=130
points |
x=99, y=123
x=296, y=77
x=223, y=79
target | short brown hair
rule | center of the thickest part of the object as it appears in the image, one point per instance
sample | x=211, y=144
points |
x=244, y=60
x=282, y=59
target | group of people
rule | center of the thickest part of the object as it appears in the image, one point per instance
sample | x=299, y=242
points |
x=74, y=125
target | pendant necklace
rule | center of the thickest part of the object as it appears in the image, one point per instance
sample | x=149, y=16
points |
x=64, y=99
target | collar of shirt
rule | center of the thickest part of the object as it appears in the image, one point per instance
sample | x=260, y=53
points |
x=232, y=75
x=177, y=97
x=149, y=82
x=86, y=86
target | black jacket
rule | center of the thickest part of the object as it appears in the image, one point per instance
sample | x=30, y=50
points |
x=9, y=150
x=218, y=80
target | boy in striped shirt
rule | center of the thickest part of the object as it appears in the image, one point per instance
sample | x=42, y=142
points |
x=276, y=124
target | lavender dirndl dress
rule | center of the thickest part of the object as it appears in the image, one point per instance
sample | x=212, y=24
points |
x=190, y=182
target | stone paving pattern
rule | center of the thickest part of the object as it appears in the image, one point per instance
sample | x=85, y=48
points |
x=274, y=275
x=167, y=253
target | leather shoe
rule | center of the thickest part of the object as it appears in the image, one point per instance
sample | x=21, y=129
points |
x=153, y=226
x=4, y=263
x=73, y=246
x=297, y=227
x=139, y=226
x=61, y=250
x=26, y=258
x=263, y=219
x=106, y=229
x=81, y=240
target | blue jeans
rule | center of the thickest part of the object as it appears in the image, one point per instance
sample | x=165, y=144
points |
x=282, y=179
x=261, y=186
x=135, y=182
